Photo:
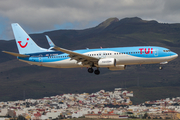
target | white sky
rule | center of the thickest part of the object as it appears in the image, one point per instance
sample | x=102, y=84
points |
x=45, y=15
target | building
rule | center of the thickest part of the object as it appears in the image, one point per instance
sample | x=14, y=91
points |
x=112, y=116
x=165, y=115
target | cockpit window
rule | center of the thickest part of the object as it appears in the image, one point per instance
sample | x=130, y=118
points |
x=166, y=51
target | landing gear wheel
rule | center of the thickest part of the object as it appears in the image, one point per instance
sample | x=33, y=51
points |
x=90, y=70
x=160, y=68
x=97, y=72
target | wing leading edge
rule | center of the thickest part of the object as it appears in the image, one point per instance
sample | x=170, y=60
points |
x=86, y=60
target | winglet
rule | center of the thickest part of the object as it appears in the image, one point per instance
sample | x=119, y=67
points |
x=51, y=44
x=16, y=54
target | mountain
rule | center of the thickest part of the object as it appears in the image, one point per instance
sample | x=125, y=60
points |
x=147, y=81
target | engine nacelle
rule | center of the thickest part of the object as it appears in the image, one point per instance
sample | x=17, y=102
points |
x=107, y=62
x=118, y=67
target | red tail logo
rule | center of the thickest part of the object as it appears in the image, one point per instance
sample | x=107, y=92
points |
x=23, y=46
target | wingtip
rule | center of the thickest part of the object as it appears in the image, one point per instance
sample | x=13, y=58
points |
x=14, y=24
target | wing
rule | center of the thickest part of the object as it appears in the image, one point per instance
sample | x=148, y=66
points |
x=86, y=60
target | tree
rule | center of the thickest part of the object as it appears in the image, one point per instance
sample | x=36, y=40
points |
x=145, y=116
x=21, y=118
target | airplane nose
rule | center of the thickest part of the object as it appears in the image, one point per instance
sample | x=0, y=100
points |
x=174, y=56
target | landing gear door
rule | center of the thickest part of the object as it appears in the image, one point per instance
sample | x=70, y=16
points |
x=155, y=52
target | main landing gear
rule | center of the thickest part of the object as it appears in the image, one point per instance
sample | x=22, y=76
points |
x=91, y=70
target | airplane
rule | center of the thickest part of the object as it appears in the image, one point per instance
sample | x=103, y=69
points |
x=112, y=58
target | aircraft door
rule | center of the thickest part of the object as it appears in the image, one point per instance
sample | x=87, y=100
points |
x=102, y=55
x=40, y=58
x=169, y=53
x=155, y=52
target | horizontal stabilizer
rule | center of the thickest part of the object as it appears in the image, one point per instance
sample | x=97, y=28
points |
x=16, y=54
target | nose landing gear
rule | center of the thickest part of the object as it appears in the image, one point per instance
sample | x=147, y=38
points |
x=160, y=67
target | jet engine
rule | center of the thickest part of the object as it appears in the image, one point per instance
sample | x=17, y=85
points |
x=107, y=62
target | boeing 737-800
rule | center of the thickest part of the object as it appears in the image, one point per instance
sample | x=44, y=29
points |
x=111, y=58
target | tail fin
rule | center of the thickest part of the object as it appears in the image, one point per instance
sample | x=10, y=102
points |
x=24, y=42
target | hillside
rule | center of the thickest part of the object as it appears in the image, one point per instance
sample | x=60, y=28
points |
x=147, y=81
